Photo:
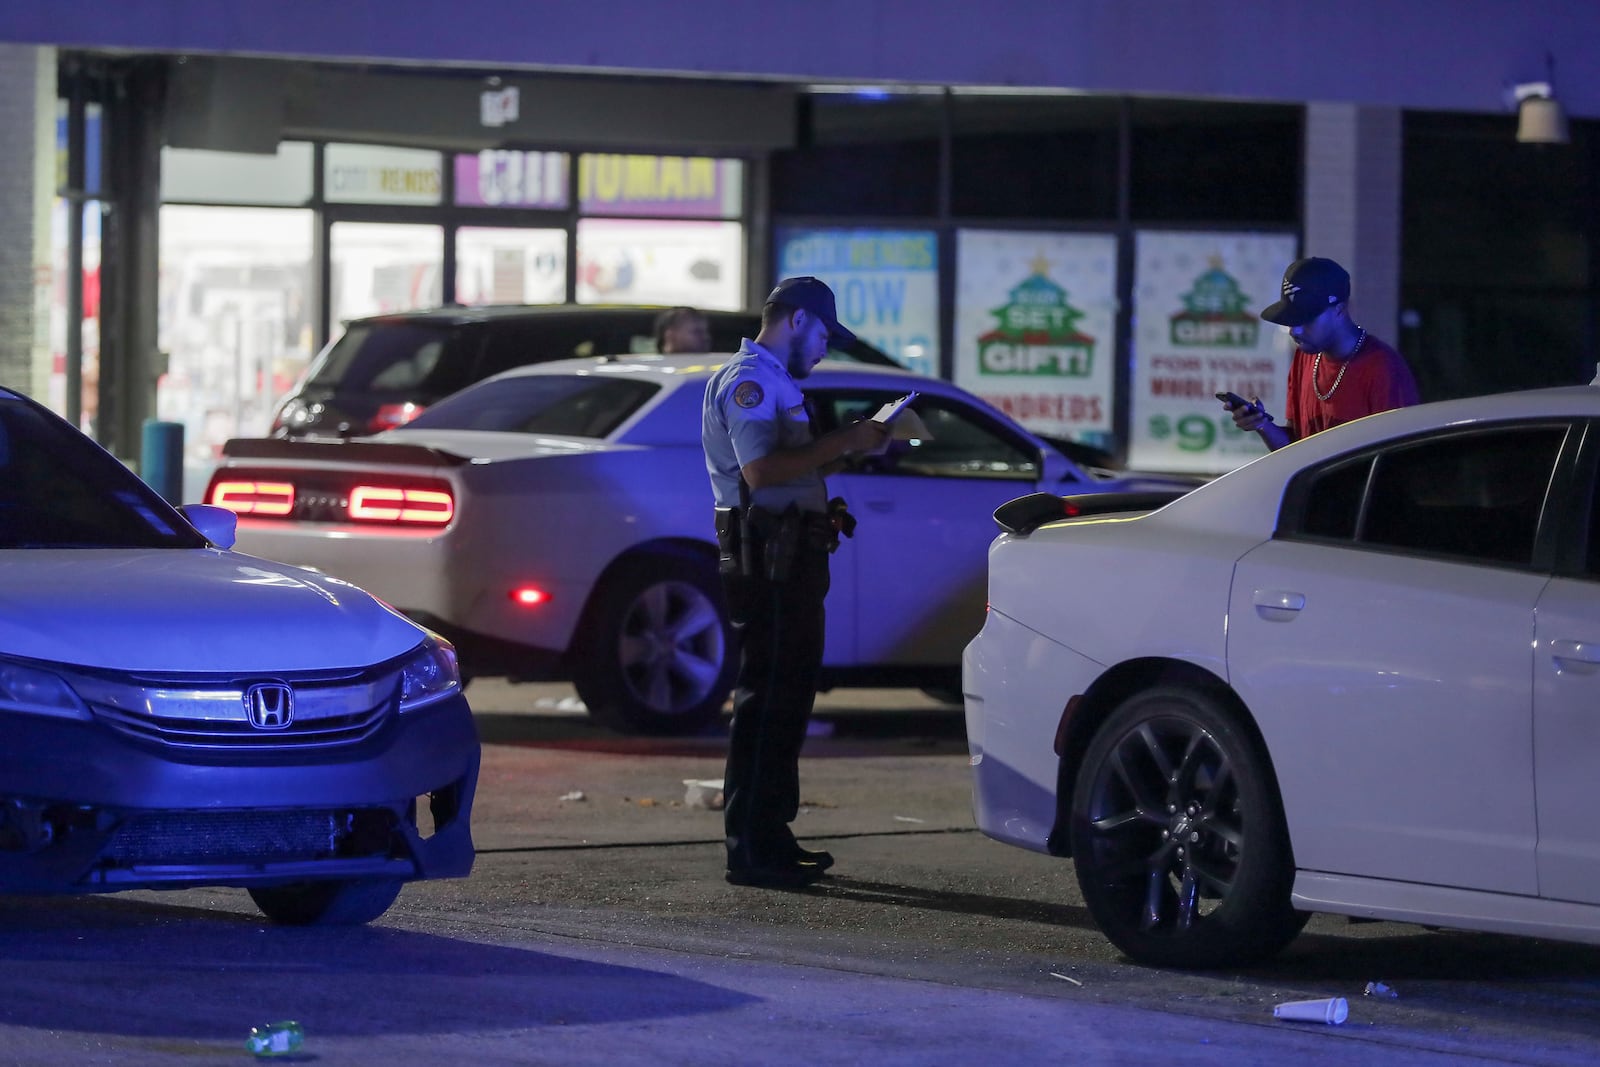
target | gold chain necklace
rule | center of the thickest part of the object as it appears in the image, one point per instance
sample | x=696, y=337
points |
x=1316, y=365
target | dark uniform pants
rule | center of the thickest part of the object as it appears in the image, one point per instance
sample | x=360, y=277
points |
x=780, y=656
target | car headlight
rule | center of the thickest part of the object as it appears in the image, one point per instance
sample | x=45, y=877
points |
x=429, y=675
x=38, y=692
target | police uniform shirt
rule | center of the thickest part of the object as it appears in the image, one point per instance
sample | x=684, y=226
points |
x=754, y=408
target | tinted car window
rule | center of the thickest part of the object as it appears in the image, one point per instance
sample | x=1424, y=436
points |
x=1333, y=504
x=383, y=369
x=514, y=344
x=60, y=490
x=958, y=442
x=1470, y=496
x=400, y=357
x=577, y=406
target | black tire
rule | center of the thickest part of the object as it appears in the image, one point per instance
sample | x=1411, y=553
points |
x=658, y=654
x=330, y=903
x=1178, y=835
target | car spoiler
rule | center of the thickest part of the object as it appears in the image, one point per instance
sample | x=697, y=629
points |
x=340, y=450
x=1026, y=514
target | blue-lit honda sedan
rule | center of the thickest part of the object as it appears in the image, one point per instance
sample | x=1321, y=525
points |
x=174, y=714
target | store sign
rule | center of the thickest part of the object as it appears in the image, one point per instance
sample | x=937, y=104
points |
x=1198, y=332
x=1036, y=326
x=202, y=176
x=664, y=186
x=498, y=178
x=886, y=283
x=369, y=174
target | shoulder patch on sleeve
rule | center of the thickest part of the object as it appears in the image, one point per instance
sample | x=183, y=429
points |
x=748, y=394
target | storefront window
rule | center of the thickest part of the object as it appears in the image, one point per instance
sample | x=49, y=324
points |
x=1201, y=161
x=234, y=322
x=653, y=261
x=1034, y=157
x=375, y=267
x=504, y=266
x=90, y=395
x=869, y=153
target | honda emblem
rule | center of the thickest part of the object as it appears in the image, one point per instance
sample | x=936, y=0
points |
x=270, y=705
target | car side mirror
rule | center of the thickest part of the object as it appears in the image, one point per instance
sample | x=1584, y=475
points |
x=217, y=525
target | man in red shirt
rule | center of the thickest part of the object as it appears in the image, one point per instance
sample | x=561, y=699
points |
x=1339, y=372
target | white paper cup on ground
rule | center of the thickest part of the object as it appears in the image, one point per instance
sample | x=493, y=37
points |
x=704, y=793
x=1332, y=1011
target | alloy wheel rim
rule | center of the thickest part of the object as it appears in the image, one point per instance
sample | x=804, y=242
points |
x=671, y=648
x=1166, y=824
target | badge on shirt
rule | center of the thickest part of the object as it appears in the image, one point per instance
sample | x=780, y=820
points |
x=748, y=395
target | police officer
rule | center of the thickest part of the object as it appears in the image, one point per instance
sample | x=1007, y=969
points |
x=775, y=528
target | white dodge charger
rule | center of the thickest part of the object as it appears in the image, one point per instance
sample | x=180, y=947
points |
x=1359, y=675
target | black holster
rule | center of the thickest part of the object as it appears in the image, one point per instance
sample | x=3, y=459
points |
x=733, y=558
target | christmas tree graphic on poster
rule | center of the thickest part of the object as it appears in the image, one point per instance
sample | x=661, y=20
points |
x=1197, y=332
x=1036, y=326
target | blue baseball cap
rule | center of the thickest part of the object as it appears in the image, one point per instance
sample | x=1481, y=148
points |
x=813, y=295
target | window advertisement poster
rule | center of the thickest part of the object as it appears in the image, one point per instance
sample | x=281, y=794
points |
x=653, y=261
x=371, y=174
x=500, y=178
x=505, y=266
x=886, y=284
x=1035, y=331
x=678, y=187
x=1197, y=331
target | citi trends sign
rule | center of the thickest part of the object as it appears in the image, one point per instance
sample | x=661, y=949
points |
x=1036, y=333
x=1215, y=314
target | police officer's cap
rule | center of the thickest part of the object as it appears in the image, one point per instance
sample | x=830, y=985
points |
x=813, y=295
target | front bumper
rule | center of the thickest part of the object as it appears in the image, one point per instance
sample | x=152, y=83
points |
x=84, y=809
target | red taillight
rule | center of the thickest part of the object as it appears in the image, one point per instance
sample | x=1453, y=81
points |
x=254, y=498
x=391, y=415
x=386, y=503
x=528, y=596
x=1070, y=510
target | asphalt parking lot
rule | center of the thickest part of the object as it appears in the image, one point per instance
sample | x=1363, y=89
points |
x=596, y=928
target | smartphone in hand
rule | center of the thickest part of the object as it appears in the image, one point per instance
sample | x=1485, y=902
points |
x=1233, y=401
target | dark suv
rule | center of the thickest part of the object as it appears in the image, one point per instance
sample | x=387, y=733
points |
x=384, y=370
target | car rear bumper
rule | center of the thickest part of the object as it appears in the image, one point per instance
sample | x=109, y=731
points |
x=450, y=581
x=84, y=809
x=1016, y=684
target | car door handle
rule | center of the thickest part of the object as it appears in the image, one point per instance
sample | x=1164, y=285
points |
x=1278, y=605
x=1580, y=655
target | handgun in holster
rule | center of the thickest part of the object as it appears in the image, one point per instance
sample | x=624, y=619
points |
x=733, y=554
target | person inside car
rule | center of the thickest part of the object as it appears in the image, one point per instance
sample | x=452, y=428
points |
x=682, y=329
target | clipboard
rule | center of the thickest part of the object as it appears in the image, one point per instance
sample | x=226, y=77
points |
x=888, y=412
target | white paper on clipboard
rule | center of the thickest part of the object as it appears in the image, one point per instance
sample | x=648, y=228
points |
x=888, y=412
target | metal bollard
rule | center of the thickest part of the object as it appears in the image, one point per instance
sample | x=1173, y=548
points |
x=161, y=458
